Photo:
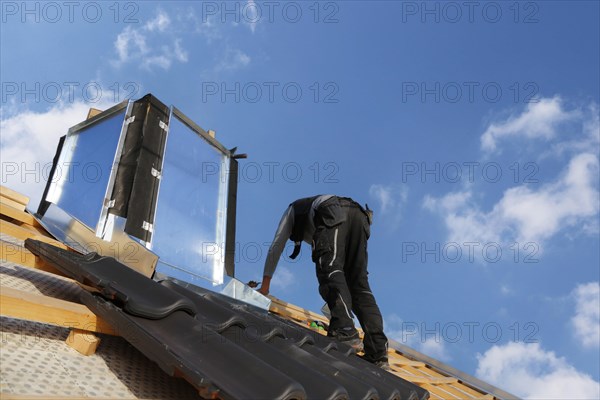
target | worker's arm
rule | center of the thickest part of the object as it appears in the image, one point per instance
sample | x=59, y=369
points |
x=265, y=286
x=284, y=230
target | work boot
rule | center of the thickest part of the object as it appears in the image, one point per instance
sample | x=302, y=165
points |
x=356, y=344
x=352, y=340
x=381, y=362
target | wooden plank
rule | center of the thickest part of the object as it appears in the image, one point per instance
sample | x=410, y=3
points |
x=400, y=361
x=451, y=386
x=26, y=232
x=425, y=379
x=20, y=255
x=437, y=392
x=299, y=316
x=18, y=304
x=93, y=112
x=122, y=247
x=14, y=196
x=456, y=389
x=18, y=215
x=464, y=390
x=422, y=376
x=12, y=203
x=83, y=341
x=281, y=307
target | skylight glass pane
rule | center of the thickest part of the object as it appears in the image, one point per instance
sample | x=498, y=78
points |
x=82, y=173
x=189, y=228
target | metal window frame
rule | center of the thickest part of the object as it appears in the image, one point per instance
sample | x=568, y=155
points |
x=66, y=152
x=224, y=236
x=104, y=215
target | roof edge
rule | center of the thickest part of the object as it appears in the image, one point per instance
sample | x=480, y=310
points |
x=447, y=369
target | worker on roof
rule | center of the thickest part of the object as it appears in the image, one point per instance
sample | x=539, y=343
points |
x=338, y=229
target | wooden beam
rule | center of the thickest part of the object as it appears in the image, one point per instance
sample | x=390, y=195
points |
x=93, y=112
x=437, y=392
x=14, y=196
x=14, y=253
x=19, y=215
x=12, y=203
x=27, y=232
x=18, y=304
x=403, y=362
x=427, y=379
x=82, y=341
x=296, y=315
x=281, y=307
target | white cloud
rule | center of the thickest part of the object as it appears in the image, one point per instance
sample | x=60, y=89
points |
x=418, y=336
x=180, y=53
x=587, y=314
x=570, y=200
x=134, y=45
x=251, y=14
x=539, y=120
x=524, y=214
x=283, y=279
x=391, y=199
x=528, y=213
x=231, y=60
x=435, y=348
x=28, y=143
x=505, y=290
x=590, y=139
x=130, y=44
x=157, y=43
x=161, y=61
x=209, y=27
x=529, y=371
x=161, y=22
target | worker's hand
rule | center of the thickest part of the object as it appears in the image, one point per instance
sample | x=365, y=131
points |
x=266, y=284
x=264, y=290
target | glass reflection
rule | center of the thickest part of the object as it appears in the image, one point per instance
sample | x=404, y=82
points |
x=84, y=169
x=190, y=216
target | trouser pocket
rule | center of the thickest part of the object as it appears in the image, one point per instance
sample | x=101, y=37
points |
x=330, y=213
x=322, y=247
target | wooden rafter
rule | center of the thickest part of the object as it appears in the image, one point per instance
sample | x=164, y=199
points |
x=49, y=310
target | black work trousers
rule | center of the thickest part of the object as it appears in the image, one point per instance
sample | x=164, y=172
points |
x=340, y=256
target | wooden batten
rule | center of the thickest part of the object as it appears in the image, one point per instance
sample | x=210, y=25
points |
x=83, y=341
x=15, y=197
x=49, y=310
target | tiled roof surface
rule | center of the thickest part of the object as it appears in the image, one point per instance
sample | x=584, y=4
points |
x=223, y=347
x=35, y=354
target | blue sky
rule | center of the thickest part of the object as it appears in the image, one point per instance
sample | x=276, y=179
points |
x=471, y=129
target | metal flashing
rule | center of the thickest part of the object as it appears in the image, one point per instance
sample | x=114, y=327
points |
x=204, y=134
x=147, y=226
x=155, y=173
x=163, y=126
x=104, y=114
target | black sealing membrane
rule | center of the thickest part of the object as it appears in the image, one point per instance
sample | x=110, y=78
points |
x=225, y=348
x=136, y=186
